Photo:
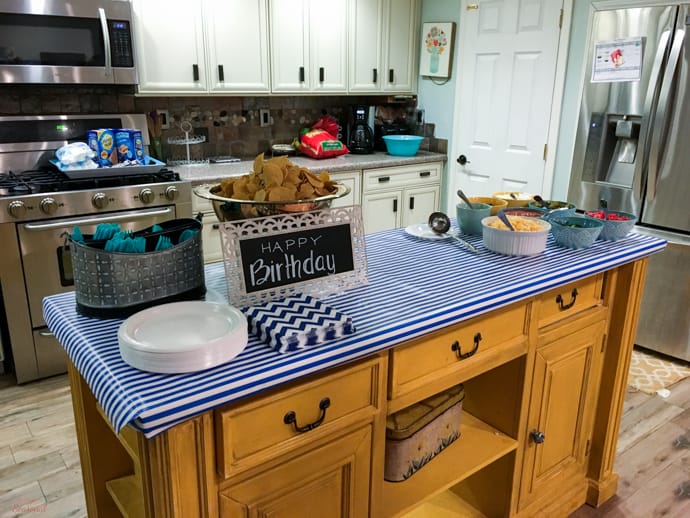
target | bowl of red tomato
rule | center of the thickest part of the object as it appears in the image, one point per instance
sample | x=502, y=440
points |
x=617, y=224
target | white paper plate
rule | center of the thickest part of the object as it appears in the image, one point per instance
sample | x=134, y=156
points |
x=182, y=336
x=422, y=231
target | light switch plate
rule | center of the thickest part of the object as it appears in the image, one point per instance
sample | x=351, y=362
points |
x=265, y=118
x=164, y=116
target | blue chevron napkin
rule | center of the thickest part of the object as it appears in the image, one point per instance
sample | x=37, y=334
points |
x=296, y=322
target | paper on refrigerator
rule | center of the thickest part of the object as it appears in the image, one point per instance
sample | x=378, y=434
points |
x=617, y=60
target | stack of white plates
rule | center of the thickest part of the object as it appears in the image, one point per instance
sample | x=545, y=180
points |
x=182, y=336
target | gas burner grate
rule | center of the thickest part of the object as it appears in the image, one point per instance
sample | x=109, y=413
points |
x=46, y=180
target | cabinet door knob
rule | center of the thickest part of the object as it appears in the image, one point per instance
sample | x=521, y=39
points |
x=221, y=74
x=395, y=205
x=537, y=436
x=376, y=75
x=322, y=75
x=455, y=346
x=291, y=417
x=195, y=72
x=411, y=202
x=559, y=300
x=391, y=76
x=301, y=74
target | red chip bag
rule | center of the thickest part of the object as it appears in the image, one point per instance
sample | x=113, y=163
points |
x=318, y=143
x=328, y=124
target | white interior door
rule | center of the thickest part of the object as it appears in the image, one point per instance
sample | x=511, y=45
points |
x=507, y=66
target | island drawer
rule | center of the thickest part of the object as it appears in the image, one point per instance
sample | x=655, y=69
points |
x=431, y=364
x=262, y=428
x=567, y=300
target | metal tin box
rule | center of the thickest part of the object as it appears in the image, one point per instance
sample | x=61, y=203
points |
x=416, y=434
x=116, y=285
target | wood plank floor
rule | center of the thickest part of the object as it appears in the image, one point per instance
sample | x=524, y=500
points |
x=39, y=461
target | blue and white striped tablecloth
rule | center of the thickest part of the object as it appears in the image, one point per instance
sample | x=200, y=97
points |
x=415, y=287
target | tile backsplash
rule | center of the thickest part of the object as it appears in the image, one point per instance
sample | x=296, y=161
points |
x=231, y=125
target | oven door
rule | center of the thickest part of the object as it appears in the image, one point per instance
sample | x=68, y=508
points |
x=66, y=42
x=47, y=262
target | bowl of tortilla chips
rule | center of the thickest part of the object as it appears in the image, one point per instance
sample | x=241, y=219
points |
x=274, y=186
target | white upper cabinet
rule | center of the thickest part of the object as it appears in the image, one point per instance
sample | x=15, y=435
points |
x=237, y=39
x=308, y=46
x=169, y=47
x=383, y=46
x=217, y=46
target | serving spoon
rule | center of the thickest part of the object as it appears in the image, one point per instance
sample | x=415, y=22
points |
x=439, y=223
x=504, y=218
x=465, y=199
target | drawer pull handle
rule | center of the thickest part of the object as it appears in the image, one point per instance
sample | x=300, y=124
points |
x=215, y=226
x=424, y=174
x=291, y=417
x=461, y=356
x=559, y=300
x=537, y=436
x=383, y=179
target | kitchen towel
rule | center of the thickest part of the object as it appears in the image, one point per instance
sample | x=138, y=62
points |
x=296, y=322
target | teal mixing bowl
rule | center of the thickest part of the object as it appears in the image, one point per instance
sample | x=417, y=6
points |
x=402, y=145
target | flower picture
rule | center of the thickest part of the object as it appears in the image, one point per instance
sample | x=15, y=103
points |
x=437, y=45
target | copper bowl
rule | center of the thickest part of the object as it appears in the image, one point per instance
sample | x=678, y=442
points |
x=229, y=209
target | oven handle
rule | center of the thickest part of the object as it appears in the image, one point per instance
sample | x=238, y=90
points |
x=94, y=220
x=106, y=42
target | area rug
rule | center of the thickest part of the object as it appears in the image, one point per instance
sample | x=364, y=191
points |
x=650, y=372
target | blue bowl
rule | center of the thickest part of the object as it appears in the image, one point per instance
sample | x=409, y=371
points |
x=564, y=208
x=575, y=231
x=615, y=229
x=402, y=145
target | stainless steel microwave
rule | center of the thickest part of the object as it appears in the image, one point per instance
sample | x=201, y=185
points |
x=66, y=41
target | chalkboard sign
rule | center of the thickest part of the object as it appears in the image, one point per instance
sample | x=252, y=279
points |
x=270, y=261
x=317, y=253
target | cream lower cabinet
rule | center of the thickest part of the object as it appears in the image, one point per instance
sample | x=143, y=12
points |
x=353, y=179
x=394, y=197
x=210, y=234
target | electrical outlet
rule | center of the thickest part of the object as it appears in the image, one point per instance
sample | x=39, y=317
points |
x=265, y=118
x=164, y=116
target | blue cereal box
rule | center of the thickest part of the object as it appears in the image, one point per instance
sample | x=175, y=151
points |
x=102, y=141
x=130, y=145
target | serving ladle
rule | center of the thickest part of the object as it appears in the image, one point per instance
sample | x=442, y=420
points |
x=439, y=223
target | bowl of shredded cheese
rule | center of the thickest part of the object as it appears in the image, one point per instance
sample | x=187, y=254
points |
x=529, y=237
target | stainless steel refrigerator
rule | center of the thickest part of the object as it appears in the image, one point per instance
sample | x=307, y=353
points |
x=632, y=148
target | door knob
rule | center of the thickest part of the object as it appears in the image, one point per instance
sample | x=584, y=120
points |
x=462, y=160
x=537, y=436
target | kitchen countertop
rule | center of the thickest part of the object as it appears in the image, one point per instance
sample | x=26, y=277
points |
x=408, y=296
x=213, y=172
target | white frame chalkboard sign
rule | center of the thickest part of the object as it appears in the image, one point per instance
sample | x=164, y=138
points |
x=316, y=253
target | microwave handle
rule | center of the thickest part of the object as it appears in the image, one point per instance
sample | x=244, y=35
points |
x=106, y=42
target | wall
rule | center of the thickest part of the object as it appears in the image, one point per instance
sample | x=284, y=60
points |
x=571, y=98
x=437, y=97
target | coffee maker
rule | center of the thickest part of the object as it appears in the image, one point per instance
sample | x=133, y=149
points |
x=361, y=140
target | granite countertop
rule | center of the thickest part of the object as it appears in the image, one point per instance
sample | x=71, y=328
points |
x=214, y=172
x=416, y=293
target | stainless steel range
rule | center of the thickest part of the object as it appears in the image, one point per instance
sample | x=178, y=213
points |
x=39, y=204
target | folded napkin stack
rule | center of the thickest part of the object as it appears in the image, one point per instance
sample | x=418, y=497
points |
x=296, y=322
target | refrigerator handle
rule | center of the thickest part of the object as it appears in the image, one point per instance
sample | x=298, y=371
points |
x=661, y=115
x=648, y=111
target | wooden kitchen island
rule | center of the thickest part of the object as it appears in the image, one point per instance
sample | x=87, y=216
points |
x=541, y=345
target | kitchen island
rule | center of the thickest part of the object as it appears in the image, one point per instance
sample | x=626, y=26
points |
x=541, y=345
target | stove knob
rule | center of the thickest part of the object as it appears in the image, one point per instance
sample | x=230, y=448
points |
x=171, y=193
x=146, y=195
x=17, y=208
x=49, y=206
x=99, y=200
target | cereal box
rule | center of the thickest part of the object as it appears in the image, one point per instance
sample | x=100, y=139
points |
x=130, y=145
x=102, y=141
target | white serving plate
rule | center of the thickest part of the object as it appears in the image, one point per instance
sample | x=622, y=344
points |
x=182, y=336
x=422, y=231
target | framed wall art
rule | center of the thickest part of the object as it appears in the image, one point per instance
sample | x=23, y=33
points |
x=437, y=49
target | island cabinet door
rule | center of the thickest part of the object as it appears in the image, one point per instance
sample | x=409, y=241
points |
x=331, y=480
x=565, y=388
